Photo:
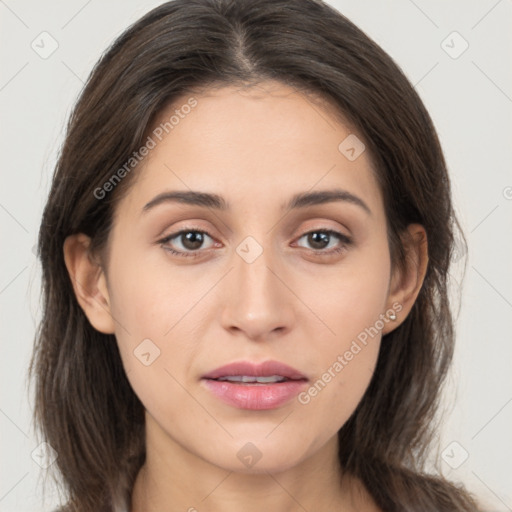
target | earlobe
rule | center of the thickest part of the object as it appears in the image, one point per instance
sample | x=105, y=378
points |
x=89, y=282
x=407, y=282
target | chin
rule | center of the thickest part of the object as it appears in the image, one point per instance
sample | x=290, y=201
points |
x=259, y=456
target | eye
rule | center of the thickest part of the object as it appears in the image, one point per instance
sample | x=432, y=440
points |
x=322, y=239
x=190, y=242
x=186, y=242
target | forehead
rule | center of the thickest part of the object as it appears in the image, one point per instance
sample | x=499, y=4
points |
x=264, y=143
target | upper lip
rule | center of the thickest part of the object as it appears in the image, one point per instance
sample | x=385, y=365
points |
x=265, y=369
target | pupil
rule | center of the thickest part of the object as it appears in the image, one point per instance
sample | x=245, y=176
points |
x=319, y=240
x=194, y=239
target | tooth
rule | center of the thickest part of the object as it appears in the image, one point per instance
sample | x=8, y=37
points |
x=272, y=378
x=234, y=378
x=252, y=379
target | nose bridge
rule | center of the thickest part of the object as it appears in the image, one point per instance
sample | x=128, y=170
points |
x=252, y=269
x=259, y=303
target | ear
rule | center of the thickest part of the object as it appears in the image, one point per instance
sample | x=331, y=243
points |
x=89, y=282
x=406, y=283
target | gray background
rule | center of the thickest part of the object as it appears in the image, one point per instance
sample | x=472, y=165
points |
x=469, y=97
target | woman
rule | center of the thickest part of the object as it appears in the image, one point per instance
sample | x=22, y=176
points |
x=245, y=255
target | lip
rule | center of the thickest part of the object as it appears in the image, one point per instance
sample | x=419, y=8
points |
x=254, y=396
x=265, y=369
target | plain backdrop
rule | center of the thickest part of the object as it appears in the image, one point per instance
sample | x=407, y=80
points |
x=458, y=55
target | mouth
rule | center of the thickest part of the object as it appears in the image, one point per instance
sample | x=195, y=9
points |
x=268, y=371
x=250, y=379
x=247, y=385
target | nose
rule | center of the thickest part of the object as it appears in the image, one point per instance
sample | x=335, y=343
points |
x=259, y=301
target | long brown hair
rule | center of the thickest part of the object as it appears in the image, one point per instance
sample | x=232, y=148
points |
x=85, y=407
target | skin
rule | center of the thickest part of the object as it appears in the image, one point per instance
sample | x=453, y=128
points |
x=256, y=147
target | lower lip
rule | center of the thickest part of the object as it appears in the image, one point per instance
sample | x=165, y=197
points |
x=256, y=397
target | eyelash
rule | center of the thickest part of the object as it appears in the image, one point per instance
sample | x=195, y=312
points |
x=346, y=241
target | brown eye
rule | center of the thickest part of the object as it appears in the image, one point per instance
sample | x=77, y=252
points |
x=318, y=240
x=192, y=240
x=323, y=239
x=186, y=242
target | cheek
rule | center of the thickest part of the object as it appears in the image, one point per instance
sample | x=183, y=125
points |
x=352, y=298
x=155, y=348
x=156, y=309
x=149, y=297
x=350, y=304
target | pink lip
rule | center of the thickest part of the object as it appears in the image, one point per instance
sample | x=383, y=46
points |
x=255, y=396
x=265, y=369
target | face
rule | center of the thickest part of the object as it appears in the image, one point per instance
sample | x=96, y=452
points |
x=263, y=267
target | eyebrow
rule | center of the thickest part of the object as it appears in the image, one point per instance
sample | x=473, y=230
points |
x=217, y=202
